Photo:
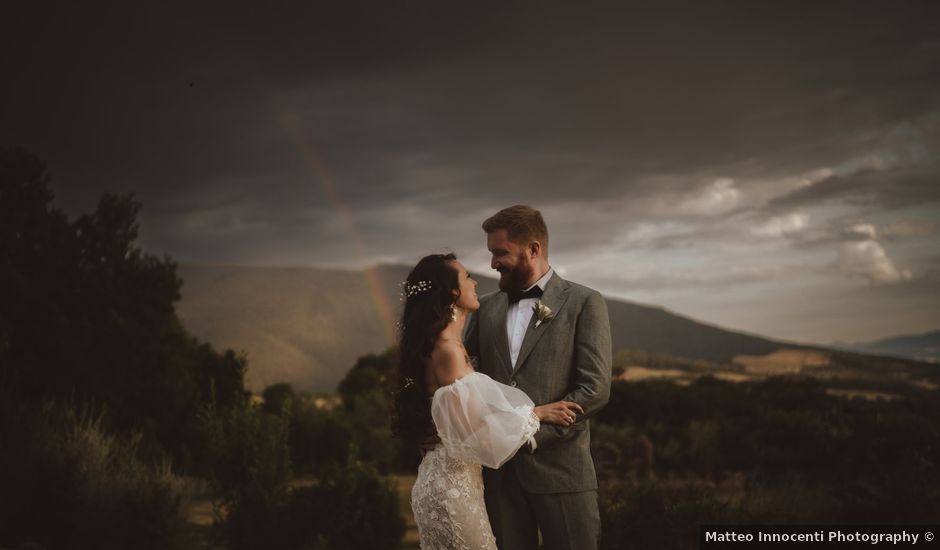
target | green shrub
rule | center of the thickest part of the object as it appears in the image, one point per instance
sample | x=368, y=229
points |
x=68, y=483
x=319, y=439
x=367, y=417
x=279, y=398
x=250, y=460
x=646, y=515
x=352, y=508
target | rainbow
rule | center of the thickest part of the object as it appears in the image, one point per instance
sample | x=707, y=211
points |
x=379, y=298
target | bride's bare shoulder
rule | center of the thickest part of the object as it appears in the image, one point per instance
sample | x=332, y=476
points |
x=448, y=360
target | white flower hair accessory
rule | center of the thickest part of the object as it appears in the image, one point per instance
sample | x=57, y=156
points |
x=542, y=312
x=412, y=289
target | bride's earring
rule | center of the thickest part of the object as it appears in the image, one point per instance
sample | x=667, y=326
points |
x=453, y=312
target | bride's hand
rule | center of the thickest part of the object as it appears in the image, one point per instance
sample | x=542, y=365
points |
x=563, y=413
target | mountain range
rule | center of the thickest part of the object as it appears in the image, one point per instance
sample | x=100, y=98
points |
x=922, y=347
x=307, y=326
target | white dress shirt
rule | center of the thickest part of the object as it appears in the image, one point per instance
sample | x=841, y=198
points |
x=519, y=315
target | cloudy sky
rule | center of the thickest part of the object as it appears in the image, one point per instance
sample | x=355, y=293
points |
x=752, y=164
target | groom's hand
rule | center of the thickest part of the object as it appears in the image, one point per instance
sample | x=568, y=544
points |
x=563, y=413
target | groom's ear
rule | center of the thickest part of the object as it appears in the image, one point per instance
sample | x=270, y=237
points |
x=535, y=249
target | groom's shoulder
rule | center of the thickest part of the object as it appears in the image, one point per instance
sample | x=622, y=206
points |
x=582, y=292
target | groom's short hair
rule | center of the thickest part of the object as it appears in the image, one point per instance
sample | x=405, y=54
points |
x=523, y=224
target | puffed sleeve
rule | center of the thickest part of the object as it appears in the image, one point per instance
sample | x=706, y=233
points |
x=481, y=420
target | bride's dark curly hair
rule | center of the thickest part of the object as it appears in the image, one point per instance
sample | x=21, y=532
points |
x=427, y=312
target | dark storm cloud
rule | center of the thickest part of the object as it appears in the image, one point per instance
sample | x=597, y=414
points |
x=776, y=156
x=214, y=114
x=176, y=97
x=885, y=189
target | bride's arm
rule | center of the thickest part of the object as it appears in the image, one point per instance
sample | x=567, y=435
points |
x=482, y=420
x=448, y=363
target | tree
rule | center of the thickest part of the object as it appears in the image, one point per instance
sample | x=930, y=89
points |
x=276, y=396
x=87, y=315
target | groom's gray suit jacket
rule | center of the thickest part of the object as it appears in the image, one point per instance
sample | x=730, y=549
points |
x=567, y=357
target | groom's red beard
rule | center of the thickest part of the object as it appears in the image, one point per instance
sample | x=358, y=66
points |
x=512, y=279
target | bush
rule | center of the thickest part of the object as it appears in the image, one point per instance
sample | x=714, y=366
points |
x=68, y=483
x=352, y=508
x=367, y=418
x=646, y=515
x=250, y=461
x=668, y=515
x=803, y=455
x=279, y=398
x=366, y=393
x=319, y=439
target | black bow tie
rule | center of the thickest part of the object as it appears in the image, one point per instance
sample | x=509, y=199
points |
x=515, y=296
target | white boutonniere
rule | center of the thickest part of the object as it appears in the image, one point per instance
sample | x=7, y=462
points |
x=542, y=313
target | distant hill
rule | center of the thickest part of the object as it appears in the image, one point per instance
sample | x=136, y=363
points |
x=303, y=326
x=307, y=326
x=923, y=347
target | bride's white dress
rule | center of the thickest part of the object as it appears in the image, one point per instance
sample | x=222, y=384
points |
x=480, y=423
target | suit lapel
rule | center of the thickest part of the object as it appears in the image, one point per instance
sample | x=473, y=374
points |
x=500, y=309
x=555, y=296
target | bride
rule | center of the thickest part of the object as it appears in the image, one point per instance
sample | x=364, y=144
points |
x=473, y=420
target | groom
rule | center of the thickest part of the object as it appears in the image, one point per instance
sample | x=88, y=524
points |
x=551, y=339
